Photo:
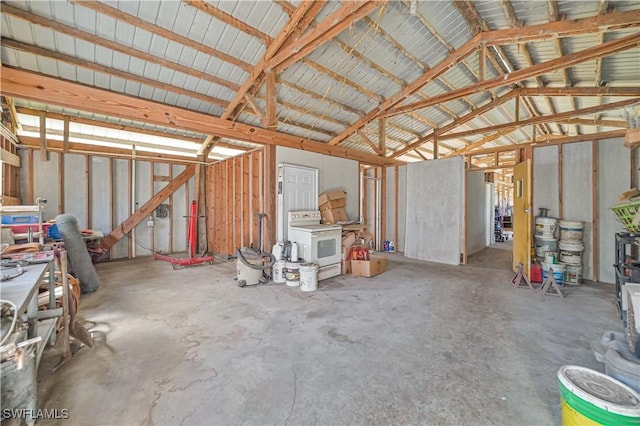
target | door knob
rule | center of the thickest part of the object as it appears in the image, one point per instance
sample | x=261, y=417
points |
x=526, y=211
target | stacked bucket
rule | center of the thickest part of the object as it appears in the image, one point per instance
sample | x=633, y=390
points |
x=546, y=247
x=570, y=250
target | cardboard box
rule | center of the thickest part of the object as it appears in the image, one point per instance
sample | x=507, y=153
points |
x=346, y=267
x=333, y=204
x=328, y=196
x=334, y=215
x=369, y=268
x=349, y=239
x=346, y=251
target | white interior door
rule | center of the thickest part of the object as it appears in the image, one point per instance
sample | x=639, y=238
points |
x=297, y=190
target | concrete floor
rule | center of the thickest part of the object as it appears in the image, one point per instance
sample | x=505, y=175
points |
x=423, y=343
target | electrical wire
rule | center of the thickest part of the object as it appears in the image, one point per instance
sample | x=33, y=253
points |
x=13, y=322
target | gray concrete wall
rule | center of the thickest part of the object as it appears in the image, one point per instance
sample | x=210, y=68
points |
x=333, y=174
x=577, y=195
x=614, y=168
x=545, y=180
x=476, y=214
x=435, y=203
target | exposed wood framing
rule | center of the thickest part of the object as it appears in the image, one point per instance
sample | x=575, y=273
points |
x=270, y=119
x=9, y=158
x=251, y=101
x=543, y=119
x=46, y=89
x=269, y=197
x=44, y=154
x=579, y=91
x=128, y=224
x=382, y=136
x=368, y=141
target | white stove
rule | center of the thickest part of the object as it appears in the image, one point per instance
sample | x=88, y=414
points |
x=317, y=243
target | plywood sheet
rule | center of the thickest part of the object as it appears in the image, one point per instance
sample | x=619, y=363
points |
x=577, y=194
x=614, y=165
x=435, y=203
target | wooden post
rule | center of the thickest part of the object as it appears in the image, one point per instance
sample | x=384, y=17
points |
x=560, y=182
x=435, y=144
x=44, y=154
x=634, y=167
x=271, y=122
x=269, y=179
x=382, y=136
x=65, y=137
x=595, y=204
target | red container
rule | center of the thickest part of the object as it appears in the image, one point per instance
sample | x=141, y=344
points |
x=536, y=273
x=24, y=228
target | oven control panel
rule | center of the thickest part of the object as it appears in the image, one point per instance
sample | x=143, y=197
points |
x=312, y=215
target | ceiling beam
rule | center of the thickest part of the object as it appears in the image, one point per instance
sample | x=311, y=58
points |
x=39, y=51
x=118, y=14
x=117, y=47
x=479, y=143
x=209, y=9
x=566, y=28
x=553, y=141
x=40, y=88
x=329, y=28
x=460, y=121
x=368, y=141
x=580, y=91
x=605, y=49
x=543, y=119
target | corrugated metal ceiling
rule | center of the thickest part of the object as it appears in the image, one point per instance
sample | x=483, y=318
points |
x=371, y=60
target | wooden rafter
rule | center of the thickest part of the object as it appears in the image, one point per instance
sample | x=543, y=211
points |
x=330, y=27
x=117, y=47
x=543, y=119
x=209, y=9
x=479, y=143
x=37, y=87
x=161, y=31
x=580, y=91
x=605, y=49
x=39, y=51
x=367, y=141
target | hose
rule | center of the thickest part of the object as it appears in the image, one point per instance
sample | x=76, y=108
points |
x=272, y=260
x=13, y=322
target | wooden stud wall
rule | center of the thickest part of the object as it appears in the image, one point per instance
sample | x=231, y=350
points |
x=10, y=178
x=236, y=190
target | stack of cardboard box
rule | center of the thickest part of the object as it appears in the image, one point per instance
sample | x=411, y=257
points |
x=355, y=238
x=332, y=204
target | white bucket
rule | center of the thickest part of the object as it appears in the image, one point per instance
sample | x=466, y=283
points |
x=292, y=274
x=558, y=272
x=546, y=227
x=571, y=252
x=278, y=271
x=573, y=274
x=550, y=258
x=309, y=276
x=571, y=230
x=545, y=245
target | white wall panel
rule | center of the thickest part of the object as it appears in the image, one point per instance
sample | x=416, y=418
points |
x=577, y=194
x=476, y=217
x=545, y=180
x=143, y=234
x=120, y=208
x=435, y=203
x=614, y=167
x=333, y=173
x=162, y=226
x=390, y=219
x=75, y=184
x=100, y=187
x=402, y=207
x=45, y=183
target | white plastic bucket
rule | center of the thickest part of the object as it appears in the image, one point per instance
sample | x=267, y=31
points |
x=573, y=274
x=558, y=272
x=278, y=272
x=545, y=245
x=309, y=276
x=292, y=274
x=571, y=252
x=546, y=227
x=571, y=230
